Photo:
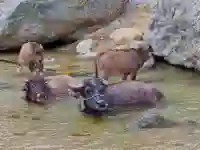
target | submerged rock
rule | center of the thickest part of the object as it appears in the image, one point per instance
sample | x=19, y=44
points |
x=5, y=85
x=48, y=20
x=153, y=119
x=174, y=32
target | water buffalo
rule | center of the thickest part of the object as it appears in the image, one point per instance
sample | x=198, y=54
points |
x=121, y=62
x=42, y=90
x=97, y=97
x=31, y=55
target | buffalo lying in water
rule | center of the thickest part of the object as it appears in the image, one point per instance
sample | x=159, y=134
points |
x=101, y=98
x=42, y=90
x=97, y=96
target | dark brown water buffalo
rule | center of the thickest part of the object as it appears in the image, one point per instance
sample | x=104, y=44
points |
x=97, y=97
x=32, y=55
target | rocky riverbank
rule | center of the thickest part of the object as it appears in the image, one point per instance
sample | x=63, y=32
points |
x=46, y=21
x=170, y=27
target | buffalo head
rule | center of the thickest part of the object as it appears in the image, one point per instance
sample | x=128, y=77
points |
x=36, y=90
x=92, y=92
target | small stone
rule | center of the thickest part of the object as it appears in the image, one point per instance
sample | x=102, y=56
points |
x=178, y=144
x=84, y=46
x=192, y=122
x=81, y=134
x=20, y=133
x=16, y=116
x=36, y=118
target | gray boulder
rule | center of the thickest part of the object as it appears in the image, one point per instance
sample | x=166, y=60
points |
x=49, y=20
x=174, y=32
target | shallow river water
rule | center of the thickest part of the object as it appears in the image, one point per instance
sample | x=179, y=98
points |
x=61, y=126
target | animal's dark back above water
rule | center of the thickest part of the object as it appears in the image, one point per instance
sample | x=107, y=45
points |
x=120, y=96
x=133, y=93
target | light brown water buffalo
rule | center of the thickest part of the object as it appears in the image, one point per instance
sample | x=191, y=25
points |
x=121, y=62
x=39, y=89
x=31, y=55
x=97, y=97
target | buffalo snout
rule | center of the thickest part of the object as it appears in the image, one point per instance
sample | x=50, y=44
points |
x=36, y=90
x=92, y=92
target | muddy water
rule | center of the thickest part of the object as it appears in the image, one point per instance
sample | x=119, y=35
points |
x=61, y=126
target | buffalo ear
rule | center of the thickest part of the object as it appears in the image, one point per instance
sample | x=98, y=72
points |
x=26, y=80
x=25, y=87
x=46, y=81
x=105, y=82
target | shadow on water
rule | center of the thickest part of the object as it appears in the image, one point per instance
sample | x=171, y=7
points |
x=61, y=126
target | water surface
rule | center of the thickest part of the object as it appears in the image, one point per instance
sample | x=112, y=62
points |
x=61, y=126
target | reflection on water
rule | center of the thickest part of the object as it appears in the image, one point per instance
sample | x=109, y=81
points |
x=61, y=126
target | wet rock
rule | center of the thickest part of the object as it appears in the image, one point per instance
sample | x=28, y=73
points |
x=18, y=133
x=46, y=21
x=81, y=134
x=14, y=115
x=153, y=119
x=174, y=32
x=121, y=31
x=85, y=46
x=80, y=74
x=150, y=63
x=4, y=85
x=192, y=122
x=36, y=118
x=124, y=34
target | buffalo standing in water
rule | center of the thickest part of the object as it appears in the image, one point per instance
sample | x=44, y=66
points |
x=31, y=55
x=121, y=62
x=97, y=97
